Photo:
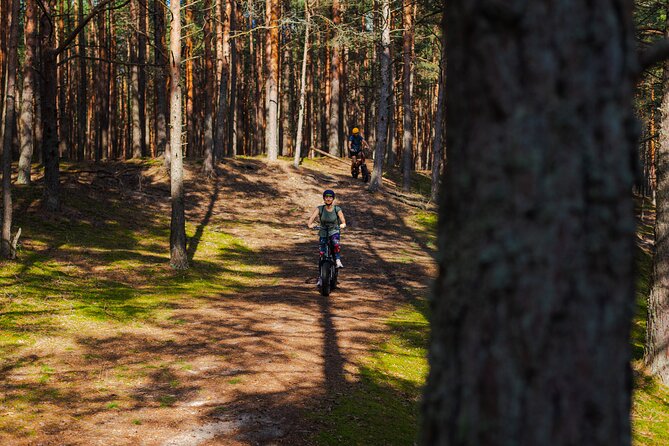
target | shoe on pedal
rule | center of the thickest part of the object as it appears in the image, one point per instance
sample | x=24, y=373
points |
x=339, y=264
x=319, y=283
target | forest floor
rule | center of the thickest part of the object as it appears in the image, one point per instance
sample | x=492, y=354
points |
x=102, y=343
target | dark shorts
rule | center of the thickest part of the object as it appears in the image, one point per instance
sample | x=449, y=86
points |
x=352, y=153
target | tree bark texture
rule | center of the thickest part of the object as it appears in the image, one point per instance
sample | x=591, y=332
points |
x=48, y=93
x=303, y=87
x=178, y=256
x=384, y=99
x=335, y=84
x=159, y=85
x=437, y=143
x=136, y=124
x=27, y=118
x=9, y=116
x=407, y=91
x=210, y=78
x=657, y=329
x=223, y=69
x=532, y=308
x=82, y=103
x=272, y=81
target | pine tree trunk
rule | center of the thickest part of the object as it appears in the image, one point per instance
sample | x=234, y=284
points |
x=82, y=101
x=160, y=96
x=272, y=80
x=27, y=118
x=437, y=143
x=235, y=74
x=136, y=122
x=657, y=338
x=220, y=142
x=48, y=98
x=303, y=88
x=384, y=94
x=178, y=256
x=532, y=308
x=407, y=102
x=210, y=78
x=9, y=116
x=103, y=90
x=335, y=54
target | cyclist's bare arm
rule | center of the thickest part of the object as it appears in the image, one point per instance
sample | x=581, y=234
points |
x=314, y=214
x=340, y=214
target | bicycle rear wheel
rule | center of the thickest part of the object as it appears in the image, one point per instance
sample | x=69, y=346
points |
x=333, y=278
x=365, y=173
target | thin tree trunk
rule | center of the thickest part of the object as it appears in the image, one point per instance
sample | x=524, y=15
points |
x=437, y=144
x=235, y=74
x=223, y=44
x=9, y=116
x=532, y=308
x=272, y=82
x=103, y=90
x=178, y=256
x=28, y=96
x=160, y=96
x=382, y=121
x=407, y=84
x=335, y=54
x=48, y=97
x=141, y=75
x=82, y=102
x=136, y=122
x=303, y=88
x=209, y=79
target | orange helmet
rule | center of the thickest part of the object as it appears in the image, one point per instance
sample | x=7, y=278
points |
x=356, y=130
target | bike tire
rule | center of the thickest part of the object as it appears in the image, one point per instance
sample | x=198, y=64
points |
x=365, y=174
x=333, y=279
x=326, y=268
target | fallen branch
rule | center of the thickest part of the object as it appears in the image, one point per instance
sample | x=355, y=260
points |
x=329, y=155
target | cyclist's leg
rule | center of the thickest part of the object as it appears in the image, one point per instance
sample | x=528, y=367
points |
x=322, y=245
x=336, y=245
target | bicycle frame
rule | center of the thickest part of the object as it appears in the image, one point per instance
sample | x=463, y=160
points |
x=327, y=268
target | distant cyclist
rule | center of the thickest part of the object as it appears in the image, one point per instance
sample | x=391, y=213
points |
x=331, y=220
x=356, y=143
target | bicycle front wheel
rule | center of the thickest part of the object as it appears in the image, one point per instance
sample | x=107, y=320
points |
x=326, y=271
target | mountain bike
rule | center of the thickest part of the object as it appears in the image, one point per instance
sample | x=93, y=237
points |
x=360, y=166
x=327, y=268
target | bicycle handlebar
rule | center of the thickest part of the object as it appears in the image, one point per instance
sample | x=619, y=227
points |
x=318, y=228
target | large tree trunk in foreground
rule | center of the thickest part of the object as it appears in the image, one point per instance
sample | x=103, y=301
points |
x=9, y=116
x=657, y=337
x=533, y=303
x=178, y=257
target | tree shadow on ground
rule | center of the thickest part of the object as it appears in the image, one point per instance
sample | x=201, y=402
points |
x=266, y=354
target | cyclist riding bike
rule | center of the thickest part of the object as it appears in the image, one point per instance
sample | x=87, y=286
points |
x=331, y=220
x=356, y=143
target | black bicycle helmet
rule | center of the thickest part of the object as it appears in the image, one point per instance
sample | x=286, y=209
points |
x=328, y=192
